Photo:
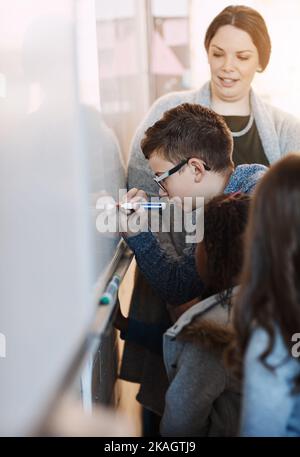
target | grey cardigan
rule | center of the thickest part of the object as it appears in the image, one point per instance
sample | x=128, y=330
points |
x=203, y=399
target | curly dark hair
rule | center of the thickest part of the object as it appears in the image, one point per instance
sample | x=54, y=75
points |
x=270, y=286
x=225, y=220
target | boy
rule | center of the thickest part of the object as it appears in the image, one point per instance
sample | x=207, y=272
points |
x=190, y=153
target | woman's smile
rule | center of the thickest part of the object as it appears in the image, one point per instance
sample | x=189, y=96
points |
x=227, y=82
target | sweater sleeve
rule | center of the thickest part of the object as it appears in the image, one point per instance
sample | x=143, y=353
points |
x=175, y=279
x=288, y=130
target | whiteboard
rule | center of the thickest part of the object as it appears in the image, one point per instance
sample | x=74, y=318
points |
x=56, y=154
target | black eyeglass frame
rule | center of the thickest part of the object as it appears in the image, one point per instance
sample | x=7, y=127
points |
x=173, y=170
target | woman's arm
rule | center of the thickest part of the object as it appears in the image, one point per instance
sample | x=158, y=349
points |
x=289, y=137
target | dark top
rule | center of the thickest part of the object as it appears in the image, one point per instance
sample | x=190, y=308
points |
x=247, y=148
x=147, y=335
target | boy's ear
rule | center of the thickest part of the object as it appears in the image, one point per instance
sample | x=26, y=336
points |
x=198, y=169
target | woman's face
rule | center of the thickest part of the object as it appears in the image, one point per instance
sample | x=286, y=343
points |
x=233, y=60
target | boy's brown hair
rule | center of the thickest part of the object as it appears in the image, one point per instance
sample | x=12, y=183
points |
x=191, y=130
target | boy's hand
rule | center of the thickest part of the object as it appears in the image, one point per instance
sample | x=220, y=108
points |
x=129, y=222
x=133, y=221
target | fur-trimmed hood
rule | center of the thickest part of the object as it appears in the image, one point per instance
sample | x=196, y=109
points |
x=208, y=322
x=208, y=332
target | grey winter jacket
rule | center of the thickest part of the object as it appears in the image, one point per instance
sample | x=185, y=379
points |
x=203, y=398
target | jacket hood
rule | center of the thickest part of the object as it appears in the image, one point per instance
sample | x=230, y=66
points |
x=208, y=322
x=208, y=332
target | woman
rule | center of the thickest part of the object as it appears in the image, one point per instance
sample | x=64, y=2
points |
x=238, y=45
x=267, y=315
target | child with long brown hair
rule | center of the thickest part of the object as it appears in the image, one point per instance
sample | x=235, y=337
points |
x=267, y=314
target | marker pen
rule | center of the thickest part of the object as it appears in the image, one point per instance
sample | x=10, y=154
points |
x=111, y=292
x=145, y=205
x=132, y=205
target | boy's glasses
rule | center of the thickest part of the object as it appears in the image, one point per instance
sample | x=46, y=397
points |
x=166, y=174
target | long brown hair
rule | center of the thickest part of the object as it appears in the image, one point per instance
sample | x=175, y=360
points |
x=270, y=283
x=249, y=20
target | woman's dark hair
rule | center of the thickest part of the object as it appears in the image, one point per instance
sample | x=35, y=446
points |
x=246, y=19
x=270, y=285
x=225, y=219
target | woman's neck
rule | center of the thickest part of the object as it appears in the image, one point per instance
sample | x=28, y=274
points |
x=239, y=107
